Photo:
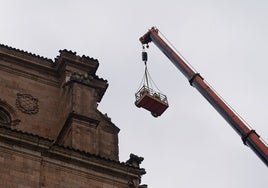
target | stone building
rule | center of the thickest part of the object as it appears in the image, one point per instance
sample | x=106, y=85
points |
x=51, y=131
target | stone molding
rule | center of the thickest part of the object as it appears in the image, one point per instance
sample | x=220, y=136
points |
x=49, y=150
x=50, y=72
x=93, y=81
x=92, y=122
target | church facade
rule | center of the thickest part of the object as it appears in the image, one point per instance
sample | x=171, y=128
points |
x=51, y=131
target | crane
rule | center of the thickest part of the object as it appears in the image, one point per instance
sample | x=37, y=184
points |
x=249, y=136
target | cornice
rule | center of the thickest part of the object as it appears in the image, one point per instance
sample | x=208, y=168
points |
x=24, y=54
x=67, y=124
x=43, y=69
x=24, y=139
x=49, y=148
x=112, y=127
x=92, y=161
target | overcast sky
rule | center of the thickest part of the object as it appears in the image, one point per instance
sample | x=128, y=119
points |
x=190, y=145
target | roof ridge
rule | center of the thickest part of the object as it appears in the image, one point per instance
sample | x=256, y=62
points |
x=26, y=133
x=46, y=58
x=27, y=53
x=54, y=145
x=88, y=154
x=79, y=56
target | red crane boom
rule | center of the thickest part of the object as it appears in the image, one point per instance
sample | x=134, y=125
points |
x=249, y=136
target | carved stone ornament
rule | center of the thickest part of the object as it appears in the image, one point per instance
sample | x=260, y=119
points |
x=26, y=103
x=83, y=78
x=134, y=160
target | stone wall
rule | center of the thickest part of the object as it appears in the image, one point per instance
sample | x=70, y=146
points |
x=51, y=131
x=44, y=94
x=28, y=161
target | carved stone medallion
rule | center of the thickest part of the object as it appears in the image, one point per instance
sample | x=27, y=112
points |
x=26, y=103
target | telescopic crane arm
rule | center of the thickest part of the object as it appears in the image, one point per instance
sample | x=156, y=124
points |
x=249, y=137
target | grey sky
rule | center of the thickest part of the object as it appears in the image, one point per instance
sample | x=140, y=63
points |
x=190, y=145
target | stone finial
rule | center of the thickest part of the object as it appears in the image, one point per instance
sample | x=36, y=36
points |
x=143, y=186
x=134, y=160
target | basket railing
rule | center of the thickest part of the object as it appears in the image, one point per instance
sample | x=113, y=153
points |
x=146, y=90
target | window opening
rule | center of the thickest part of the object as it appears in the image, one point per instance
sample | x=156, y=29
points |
x=4, y=118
